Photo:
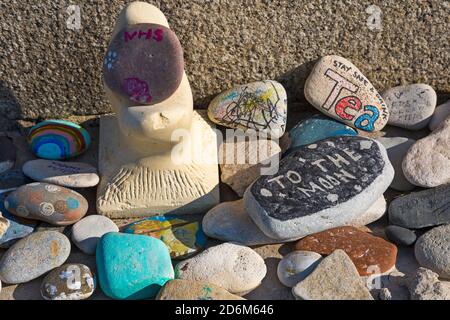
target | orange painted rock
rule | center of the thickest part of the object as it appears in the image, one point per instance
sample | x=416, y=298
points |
x=370, y=254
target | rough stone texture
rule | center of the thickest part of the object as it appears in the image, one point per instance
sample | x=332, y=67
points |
x=58, y=72
x=425, y=285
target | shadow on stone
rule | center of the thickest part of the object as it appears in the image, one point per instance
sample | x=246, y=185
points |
x=10, y=109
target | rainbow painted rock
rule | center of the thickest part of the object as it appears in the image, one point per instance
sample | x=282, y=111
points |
x=47, y=202
x=144, y=64
x=58, y=140
x=182, y=237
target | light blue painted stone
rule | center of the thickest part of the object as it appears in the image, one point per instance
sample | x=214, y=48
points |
x=317, y=128
x=132, y=266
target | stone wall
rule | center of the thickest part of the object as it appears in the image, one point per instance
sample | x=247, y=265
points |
x=51, y=68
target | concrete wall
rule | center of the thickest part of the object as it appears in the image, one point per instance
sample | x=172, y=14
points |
x=50, y=70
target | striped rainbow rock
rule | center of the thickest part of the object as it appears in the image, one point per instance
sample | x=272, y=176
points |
x=58, y=140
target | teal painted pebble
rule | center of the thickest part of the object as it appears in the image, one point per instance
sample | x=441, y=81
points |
x=317, y=128
x=132, y=266
x=58, y=140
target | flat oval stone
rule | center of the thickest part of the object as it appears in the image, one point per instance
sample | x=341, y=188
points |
x=296, y=266
x=370, y=254
x=66, y=174
x=236, y=268
x=317, y=128
x=7, y=154
x=400, y=236
x=421, y=209
x=323, y=185
x=182, y=236
x=33, y=256
x=427, y=162
x=144, y=63
x=72, y=281
x=397, y=147
x=87, y=232
x=47, y=202
x=194, y=290
x=337, y=88
x=432, y=250
x=58, y=140
x=258, y=107
x=121, y=257
x=441, y=113
x=410, y=106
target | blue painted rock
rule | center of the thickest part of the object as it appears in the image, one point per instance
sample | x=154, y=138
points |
x=144, y=64
x=13, y=229
x=58, y=140
x=337, y=88
x=182, y=237
x=72, y=281
x=132, y=266
x=317, y=128
x=260, y=107
x=47, y=202
x=7, y=154
x=34, y=256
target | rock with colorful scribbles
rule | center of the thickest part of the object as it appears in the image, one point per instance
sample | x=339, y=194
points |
x=58, y=140
x=257, y=107
x=183, y=236
x=47, y=202
x=131, y=266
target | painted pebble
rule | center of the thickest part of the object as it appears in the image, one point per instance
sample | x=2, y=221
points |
x=144, y=63
x=7, y=154
x=33, y=256
x=320, y=186
x=194, y=290
x=14, y=228
x=68, y=282
x=87, y=232
x=427, y=163
x=236, y=268
x=58, y=140
x=182, y=236
x=337, y=88
x=296, y=266
x=258, y=107
x=370, y=254
x=47, y=202
x=317, y=128
x=410, y=106
x=441, y=113
x=66, y=174
x=421, y=209
x=121, y=257
x=400, y=236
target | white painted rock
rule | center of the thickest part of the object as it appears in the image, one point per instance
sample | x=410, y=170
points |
x=375, y=212
x=258, y=106
x=236, y=268
x=66, y=174
x=320, y=186
x=228, y=221
x=296, y=266
x=87, y=232
x=241, y=161
x=410, y=106
x=337, y=88
x=427, y=163
x=441, y=113
x=397, y=148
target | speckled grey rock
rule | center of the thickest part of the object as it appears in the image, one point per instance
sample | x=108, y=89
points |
x=421, y=209
x=425, y=285
x=441, y=113
x=400, y=236
x=33, y=256
x=432, y=250
x=296, y=266
x=7, y=154
x=397, y=147
x=335, y=278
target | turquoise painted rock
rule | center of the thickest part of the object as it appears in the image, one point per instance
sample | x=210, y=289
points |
x=182, y=236
x=132, y=266
x=317, y=128
x=58, y=140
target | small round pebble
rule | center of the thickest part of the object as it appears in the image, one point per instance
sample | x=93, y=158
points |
x=400, y=236
x=68, y=282
x=88, y=231
x=296, y=266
